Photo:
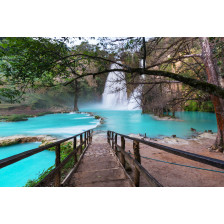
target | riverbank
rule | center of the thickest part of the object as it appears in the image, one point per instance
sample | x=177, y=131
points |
x=23, y=113
x=15, y=115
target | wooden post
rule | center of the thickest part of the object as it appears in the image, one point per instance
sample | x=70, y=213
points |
x=108, y=137
x=91, y=133
x=57, y=178
x=115, y=144
x=123, y=147
x=81, y=144
x=138, y=158
x=112, y=136
x=85, y=139
x=74, y=148
x=87, y=133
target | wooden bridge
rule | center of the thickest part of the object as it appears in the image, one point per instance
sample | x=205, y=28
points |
x=94, y=163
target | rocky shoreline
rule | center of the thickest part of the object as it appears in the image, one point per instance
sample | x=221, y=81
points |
x=16, y=139
x=175, y=140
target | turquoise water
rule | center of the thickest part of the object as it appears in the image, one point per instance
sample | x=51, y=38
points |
x=127, y=122
x=59, y=125
x=17, y=174
x=65, y=125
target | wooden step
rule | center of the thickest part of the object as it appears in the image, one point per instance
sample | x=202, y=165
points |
x=93, y=165
x=99, y=168
x=98, y=176
x=110, y=183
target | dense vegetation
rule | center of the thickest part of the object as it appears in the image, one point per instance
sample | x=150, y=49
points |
x=192, y=105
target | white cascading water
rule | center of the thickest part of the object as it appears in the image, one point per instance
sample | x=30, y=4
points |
x=115, y=92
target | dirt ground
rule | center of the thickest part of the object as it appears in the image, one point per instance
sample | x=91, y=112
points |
x=170, y=175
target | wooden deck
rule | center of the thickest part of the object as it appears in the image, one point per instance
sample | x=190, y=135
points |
x=100, y=168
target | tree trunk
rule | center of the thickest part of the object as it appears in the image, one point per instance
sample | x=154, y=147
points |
x=213, y=78
x=76, y=96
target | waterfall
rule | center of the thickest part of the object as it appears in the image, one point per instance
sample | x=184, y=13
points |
x=115, y=91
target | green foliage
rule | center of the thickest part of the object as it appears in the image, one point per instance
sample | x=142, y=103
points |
x=10, y=95
x=192, y=106
x=206, y=106
x=41, y=176
x=26, y=61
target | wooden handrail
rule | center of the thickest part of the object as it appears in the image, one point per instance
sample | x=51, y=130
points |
x=149, y=178
x=136, y=161
x=139, y=169
x=56, y=172
x=192, y=156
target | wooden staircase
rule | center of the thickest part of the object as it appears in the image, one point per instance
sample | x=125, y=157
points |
x=100, y=167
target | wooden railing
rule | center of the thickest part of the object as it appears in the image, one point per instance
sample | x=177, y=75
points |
x=136, y=161
x=55, y=174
